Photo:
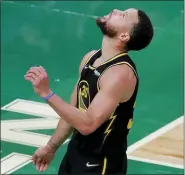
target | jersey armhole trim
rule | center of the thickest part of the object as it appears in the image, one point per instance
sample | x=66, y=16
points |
x=123, y=62
x=90, y=57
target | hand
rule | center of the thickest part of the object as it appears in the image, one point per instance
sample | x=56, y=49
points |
x=42, y=158
x=39, y=79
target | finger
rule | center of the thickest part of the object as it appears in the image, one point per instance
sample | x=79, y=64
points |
x=42, y=165
x=35, y=81
x=31, y=75
x=38, y=163
x=35, y=71
x=45, y=166
x=33, y=67
x=35, y=161
x=32, y=80
x=34, y=158
x=42, y=69
x=38, y=73
x=38, y=69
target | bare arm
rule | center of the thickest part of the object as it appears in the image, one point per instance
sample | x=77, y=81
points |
x=64, y=129
x=117, y=85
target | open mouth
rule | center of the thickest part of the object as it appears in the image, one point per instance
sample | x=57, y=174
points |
x=105, y=17
x=108, y=16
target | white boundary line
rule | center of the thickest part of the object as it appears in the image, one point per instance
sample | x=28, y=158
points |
x=155, y=134
x=10, y=104
x=25, y=163
x=5, y=107
x=134, y=146
x=51, y=114
x=151, y=137
x=155, y=162
x=19, y=166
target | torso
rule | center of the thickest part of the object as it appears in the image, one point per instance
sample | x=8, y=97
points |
x=110, y=139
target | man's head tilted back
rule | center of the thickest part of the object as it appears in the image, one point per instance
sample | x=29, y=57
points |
x=131, y=28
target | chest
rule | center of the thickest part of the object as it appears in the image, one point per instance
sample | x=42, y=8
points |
x=88, y=86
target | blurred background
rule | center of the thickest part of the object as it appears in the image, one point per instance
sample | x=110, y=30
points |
x=58, y=34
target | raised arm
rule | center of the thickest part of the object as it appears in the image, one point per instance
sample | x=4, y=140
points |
x=44, y=155
x=117, y=84
x=64, y=129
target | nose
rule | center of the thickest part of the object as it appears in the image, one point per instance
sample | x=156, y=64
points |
x=115, y=11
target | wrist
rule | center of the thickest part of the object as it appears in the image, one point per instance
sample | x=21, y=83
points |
x=52, y=147
x=46, y=95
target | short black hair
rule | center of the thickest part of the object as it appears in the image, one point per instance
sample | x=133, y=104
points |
x=141, y=33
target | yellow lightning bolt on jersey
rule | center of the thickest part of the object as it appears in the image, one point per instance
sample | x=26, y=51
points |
x=108, y=130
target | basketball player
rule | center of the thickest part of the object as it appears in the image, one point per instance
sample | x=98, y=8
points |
x=102, y=105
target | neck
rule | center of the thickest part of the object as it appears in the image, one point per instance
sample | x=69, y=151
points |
x=110, y=48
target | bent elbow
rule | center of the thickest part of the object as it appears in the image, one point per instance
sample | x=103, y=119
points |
x=88, y=127
x=87, y=130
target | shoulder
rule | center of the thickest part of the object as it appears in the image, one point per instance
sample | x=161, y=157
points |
x=85, y=59
x=119, y=75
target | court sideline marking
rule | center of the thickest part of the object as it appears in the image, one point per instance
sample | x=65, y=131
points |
x=133, y=147
x=151, y=137
x=13, y=162
x=15, y=131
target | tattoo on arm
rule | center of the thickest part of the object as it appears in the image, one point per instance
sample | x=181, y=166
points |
x=53, y=145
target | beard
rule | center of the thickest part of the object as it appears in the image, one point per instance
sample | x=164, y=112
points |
x=105, y=29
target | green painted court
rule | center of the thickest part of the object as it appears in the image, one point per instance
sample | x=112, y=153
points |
x=57, y=35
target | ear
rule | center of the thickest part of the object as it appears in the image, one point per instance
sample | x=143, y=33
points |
x=124, y=37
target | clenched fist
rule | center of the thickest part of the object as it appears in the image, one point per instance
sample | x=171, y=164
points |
x=39, y=79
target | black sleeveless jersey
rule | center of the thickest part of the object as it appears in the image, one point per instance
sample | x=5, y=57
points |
x=110, y=139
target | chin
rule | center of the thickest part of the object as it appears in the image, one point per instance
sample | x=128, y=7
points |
x=101, y=21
